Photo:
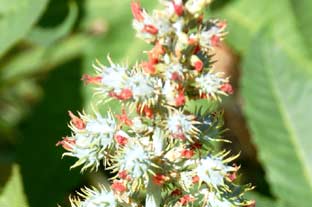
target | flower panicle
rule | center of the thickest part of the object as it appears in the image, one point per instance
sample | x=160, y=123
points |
x=157, y=141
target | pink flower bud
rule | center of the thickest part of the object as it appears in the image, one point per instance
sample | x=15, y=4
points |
x=67, y=143
x=186, y=153
x=76, y=121
x=150, y=29
x=186, y=199
x=119, y=187
x=123, y=118
x=137, y=11
x=87, y=79
x=227, y=88
x=215, y=40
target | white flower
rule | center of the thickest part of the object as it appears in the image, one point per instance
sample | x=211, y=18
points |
x=210, y=83
x=138, y=126
x=195, y=7
x=140, y=86
x=169, y=92
x=182, y=41
x=89, y=143
x=187, y=179
x=159, y=21
x=174, y=69
x=212, y=171
x=95, y=198
x=103, y=128
x=113, y=77
x=180, y=125
x=205, y=36
x=135, y=160
x=215, y=201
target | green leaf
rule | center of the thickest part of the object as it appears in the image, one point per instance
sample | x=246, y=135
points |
x=302, y=10
x=277, y=88
x=16, y=19
x=245, y=19
x=46, y=37
x=40, y=60
x=13, y=193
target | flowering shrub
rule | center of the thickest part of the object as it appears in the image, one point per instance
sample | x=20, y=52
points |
x=161, y=151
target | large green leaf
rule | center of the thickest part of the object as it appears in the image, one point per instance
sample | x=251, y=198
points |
x=12, y=194
x=16, y=18
x=277, y=88
x=245, y=18
x=302, y=10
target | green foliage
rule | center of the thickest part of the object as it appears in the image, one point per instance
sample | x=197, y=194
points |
x=273, y=38
x=12, y=195
x=279, y=85
x=16, y=19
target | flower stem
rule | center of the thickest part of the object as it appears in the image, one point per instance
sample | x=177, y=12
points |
x=153, y=194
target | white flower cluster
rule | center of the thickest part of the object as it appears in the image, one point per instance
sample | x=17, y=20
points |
x=95, y=198
x=91, y=137
x=157, y=147
x=210, y=84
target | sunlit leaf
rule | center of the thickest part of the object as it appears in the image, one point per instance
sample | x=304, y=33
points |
x=277, y=88
x=16, y=19
x=13, y=194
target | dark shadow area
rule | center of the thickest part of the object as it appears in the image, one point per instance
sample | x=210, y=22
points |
x=47, y=178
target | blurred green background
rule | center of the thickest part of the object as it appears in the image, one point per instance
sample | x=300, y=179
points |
x=46, y=46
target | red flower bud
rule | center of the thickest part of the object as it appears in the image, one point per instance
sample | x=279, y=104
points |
x=146, y=111
x=149, y=67
x=76, y=121
x=196, y=145
x=180, y=99
x=150, y=29
x=186, y=199
x=125, y=94
x=87, y=79
x=178, y=8
x=195, y=179
x=66, y=143
x=121, y=140
x=159, y=179
x=199, y=65
x=186, y=153
x=221, y=24
x=156, y=52
x=227, y=88
x=123, y=118
x=119, y=187
x=123, y=174
x=176, y=192
x=215, y=40
x=137, y=11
